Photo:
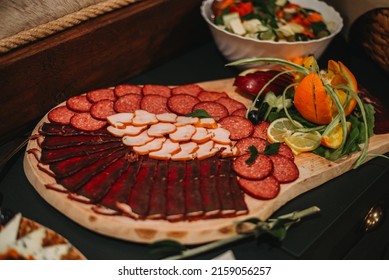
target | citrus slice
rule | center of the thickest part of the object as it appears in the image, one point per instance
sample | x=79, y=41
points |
x=279, y=129
x=303, y=141
x=334, y=138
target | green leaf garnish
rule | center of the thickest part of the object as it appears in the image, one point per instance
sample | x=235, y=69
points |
x=253, y=154
x=271, y=149
x=199, y=113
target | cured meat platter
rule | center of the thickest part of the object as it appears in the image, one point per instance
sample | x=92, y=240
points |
x=313, y=172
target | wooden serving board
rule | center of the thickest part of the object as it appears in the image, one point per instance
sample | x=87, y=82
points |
x=314, y=171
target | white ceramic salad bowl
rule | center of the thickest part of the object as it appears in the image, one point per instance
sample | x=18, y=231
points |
x=235, y=47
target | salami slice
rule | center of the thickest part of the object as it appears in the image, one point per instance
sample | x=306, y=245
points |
x=231, y=104
x=60, y=115
x=240, y=112
x=85, y=121
x=79, y=103
x=157, y=89
x=265, y=189
x=211, y=95
x=244, y=144
x=156, y=104
x=182, y=104
x=100, y=94
x=128, y=103
x=239, y=127
x=214, y=109
x=285, y=170
x=191, y=89
x=102, y=109
x=124, y=89
x=260, y=130
x=259, y=169
x=284, y=150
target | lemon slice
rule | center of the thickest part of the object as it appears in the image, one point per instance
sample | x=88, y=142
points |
x=279, y=129
x=303, y=141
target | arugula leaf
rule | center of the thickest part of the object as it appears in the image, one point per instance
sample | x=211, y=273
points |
x=271, y=149
x=253, y=154
x=200, y=113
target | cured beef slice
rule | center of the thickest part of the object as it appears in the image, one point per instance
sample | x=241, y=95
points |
x=57, y=142
x=101, y=183
x=54, y=129
x=75, y=181
x=175, y=207
x=121, y=189
x=193, y=200
x=157, y=203
x=55, y=155
x=226, y=198
x=208, y=181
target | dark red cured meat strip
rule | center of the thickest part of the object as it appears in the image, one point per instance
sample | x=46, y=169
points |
x=157, y=203
x=124, y=89
x=231, y=104
x=61, y=115
x=67, y=130
x=182, y=104
x=259, y=169
x=211, y=95
x=155, y=104
x=85, y=121
x=240, y=112
x=238, y=196
x=238, y=127
x=265, y=189
x=175, y=205
x=194, y=206
x=260, y=130
x=284, y=150
x=102, y=109
x=191, y=89
x=140, y=193
x=157, y=89
x=100, y=184
x=74, y=164
x=214, y=109
x=100, y=94
x=285, y=170
x=208, y=181
x=54, y=155
x=226, y=198
x=80, y=178
x=121, y=189
x=244, y=144
x=128, y=103
x=58, y=142
x=79, y=103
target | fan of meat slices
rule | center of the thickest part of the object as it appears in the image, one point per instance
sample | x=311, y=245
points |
x=159, y=152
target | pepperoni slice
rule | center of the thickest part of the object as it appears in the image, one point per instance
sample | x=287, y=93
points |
x=259, y=169
x=182, y=104
x=102, y=109
x=284, y=150
x=239, y=127
x=214, y=109
x=85, y=121
x=211, y=95
x=231, y=104
x=260, y=130
x=79, y=103
x=265, y=189
x=124, y=89
x=157, y=89
x=240, y=112
x=244, y=144
x=190, y=89
x=156, y=104
x=285, y=170
x=128, y=103
x=100, y=94
x=60, y=115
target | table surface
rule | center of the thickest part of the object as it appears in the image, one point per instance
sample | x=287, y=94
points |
x=204, y=63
